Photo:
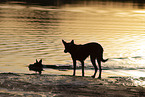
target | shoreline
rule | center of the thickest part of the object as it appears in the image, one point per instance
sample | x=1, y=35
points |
x=20, y=84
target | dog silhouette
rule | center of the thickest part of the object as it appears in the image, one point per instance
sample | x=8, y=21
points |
x=81, y=52
x=37, y=67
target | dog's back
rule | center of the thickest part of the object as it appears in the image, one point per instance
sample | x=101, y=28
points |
x=90, y=48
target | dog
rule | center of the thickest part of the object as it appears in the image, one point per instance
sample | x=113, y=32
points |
x=81, y=52
x=37, y=67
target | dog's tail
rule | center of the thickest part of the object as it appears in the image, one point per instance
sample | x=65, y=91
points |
x=104, y=60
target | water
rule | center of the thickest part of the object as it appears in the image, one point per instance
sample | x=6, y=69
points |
x=30, y=32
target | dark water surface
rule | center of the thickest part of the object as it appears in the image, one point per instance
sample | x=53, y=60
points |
x=29, y=32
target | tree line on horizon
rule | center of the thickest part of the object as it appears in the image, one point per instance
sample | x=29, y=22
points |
x=61, y=2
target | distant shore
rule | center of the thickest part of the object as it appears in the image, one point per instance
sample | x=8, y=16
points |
x=18, y=84
x=62, y=2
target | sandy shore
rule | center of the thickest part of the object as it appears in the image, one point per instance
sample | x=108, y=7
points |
x=32, y=85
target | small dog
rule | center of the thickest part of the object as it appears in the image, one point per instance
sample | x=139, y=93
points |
x=37, y=67
x=81, y=52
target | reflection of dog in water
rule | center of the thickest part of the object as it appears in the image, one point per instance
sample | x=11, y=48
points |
x=37, y=67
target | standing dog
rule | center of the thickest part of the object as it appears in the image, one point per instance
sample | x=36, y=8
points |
x=37, y=67
x=81, y=52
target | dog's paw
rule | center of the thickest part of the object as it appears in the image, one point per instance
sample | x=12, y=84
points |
x=93, y=76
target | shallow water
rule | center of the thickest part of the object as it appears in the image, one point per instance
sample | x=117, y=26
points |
x=29, y=32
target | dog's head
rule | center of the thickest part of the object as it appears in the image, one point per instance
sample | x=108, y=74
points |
x=36, y=66
x=68, y=46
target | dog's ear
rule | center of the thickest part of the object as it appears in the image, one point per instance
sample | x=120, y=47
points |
x=36, y=61
x=40, y=61
x=63, y=42
x=72, y=42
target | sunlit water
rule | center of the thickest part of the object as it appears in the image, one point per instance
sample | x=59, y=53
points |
x=35, y=32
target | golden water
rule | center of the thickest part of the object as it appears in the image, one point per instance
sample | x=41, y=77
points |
x=29, y=32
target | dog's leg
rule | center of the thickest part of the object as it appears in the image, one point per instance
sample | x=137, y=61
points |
x=39, y=72
x=74, y=66
x=94, y=64
x=82, y=62
x=100, y=69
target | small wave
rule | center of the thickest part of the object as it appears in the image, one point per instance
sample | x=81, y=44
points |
x=121, y=58
x=137, y=57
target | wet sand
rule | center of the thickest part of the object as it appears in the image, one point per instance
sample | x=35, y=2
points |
x=45, y=85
